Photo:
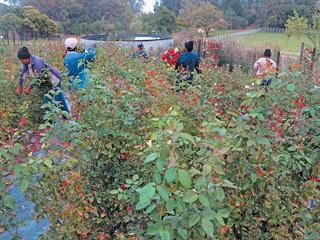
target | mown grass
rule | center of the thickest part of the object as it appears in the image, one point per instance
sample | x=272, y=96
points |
x=219, y=32
x=274, y=40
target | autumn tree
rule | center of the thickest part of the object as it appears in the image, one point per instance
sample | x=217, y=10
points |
x=205, y=15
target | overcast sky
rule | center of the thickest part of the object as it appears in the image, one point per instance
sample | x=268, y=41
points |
x=148, y=6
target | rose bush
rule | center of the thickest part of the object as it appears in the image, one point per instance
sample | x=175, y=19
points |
x=218, y=161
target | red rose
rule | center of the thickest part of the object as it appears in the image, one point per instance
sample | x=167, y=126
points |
x=123, y=186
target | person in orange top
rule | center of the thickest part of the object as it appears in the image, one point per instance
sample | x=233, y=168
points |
x=266, y=68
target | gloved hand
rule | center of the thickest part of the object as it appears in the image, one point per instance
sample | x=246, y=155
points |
x=28, y=90
x=19, y=90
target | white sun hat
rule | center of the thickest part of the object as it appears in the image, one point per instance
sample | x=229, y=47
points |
x=71, y=43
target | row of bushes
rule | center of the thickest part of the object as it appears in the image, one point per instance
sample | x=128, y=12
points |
x=218, y=160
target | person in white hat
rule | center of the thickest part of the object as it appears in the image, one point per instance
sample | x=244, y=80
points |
x=76, y=62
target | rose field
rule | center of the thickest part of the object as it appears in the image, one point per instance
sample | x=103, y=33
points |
x=221, y=159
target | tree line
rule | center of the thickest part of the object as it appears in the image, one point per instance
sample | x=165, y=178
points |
x=241, y=13
x=25, y=23
x=44, y=18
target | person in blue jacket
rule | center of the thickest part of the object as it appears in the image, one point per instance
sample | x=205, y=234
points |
x=76, y=62
x=140, y=53
x=187, y=63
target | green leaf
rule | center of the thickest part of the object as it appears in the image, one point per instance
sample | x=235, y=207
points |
x=157, y=177
x=145, y=194
x=222, y=131
x=47, y=162
x=150, y=208
x=251, y=142
x=129, y=181
x=204, y=200
x=254, y=177
x=219, y=194
x=154, y=230
x=208, y=214
x=163, y=192
x=9, y=201
x=263, y=140
x=170, y=206
x=142, y=205
x=291, y=87
x=24, y=185
x=151, y=157
x=160, y=165
x=188, y=137
x=219, y=219
x=207, y=169
x=135, y=177
x=228, y=184
x=170, y=174
x=207, y=226
x=218, y=168
x=292, y=149
x=184, y=178
x=181, y=206
x=224, y=213
x=165, y=152
x=200, y=183
x=114, y=192
x=164, y=234
x=193, y=220
x=190, y=197
x=1, y=187
x=183, y=233
x=193, y=172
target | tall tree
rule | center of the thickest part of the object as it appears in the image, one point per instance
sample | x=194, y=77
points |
x=298, y=25
x=164, y=20
x=205, y=15
x=172, y=5
x=136, y=5
x=9, y=24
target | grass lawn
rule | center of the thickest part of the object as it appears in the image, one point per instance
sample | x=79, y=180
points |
x=219, y=32
x=271, y=40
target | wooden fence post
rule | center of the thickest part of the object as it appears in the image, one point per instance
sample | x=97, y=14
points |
x=312, y=59
x=301, y=53
x=278, y=63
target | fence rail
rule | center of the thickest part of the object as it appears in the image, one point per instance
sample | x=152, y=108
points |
x=235, y=34
x=273, y=29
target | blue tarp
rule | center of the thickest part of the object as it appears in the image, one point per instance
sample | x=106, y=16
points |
x=24, y=211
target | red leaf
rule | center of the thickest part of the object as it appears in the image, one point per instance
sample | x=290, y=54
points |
x=103, y=236
x=259, y=172
x=66, y=144
x=281, y=133
x=23, y=122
